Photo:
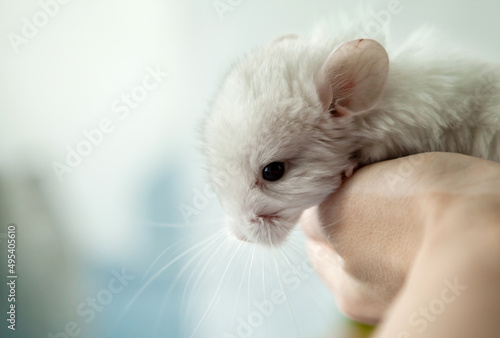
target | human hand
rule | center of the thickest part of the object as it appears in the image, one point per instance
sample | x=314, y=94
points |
x=370, y=231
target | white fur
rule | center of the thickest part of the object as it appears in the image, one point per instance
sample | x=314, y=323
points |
x=269, y=109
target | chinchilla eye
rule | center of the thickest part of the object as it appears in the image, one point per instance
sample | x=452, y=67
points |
x=273, y=171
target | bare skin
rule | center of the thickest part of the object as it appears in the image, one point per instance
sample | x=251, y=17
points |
x=414, y=244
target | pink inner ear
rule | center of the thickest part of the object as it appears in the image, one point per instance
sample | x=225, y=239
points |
x=356, y=73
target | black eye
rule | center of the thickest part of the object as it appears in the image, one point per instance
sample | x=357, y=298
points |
x=273, y=171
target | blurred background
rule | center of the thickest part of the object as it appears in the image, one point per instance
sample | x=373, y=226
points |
x=117, y=232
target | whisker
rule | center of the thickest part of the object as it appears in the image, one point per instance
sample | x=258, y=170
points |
x=145, y=285
x=249, y=275
x=284, y=293
x=167, y=249
x=331, y=224
x=264, y=286
x=308, y=291
x=197, y=282
x=174, y=282
x=239, y=288
x=216, y=292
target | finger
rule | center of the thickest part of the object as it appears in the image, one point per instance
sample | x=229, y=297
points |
x=352, y=297
x=311, y=225
x=324, y=260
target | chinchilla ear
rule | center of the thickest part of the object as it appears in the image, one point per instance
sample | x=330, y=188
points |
x=352, y=79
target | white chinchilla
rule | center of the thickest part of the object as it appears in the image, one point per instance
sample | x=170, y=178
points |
x=295, y=116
